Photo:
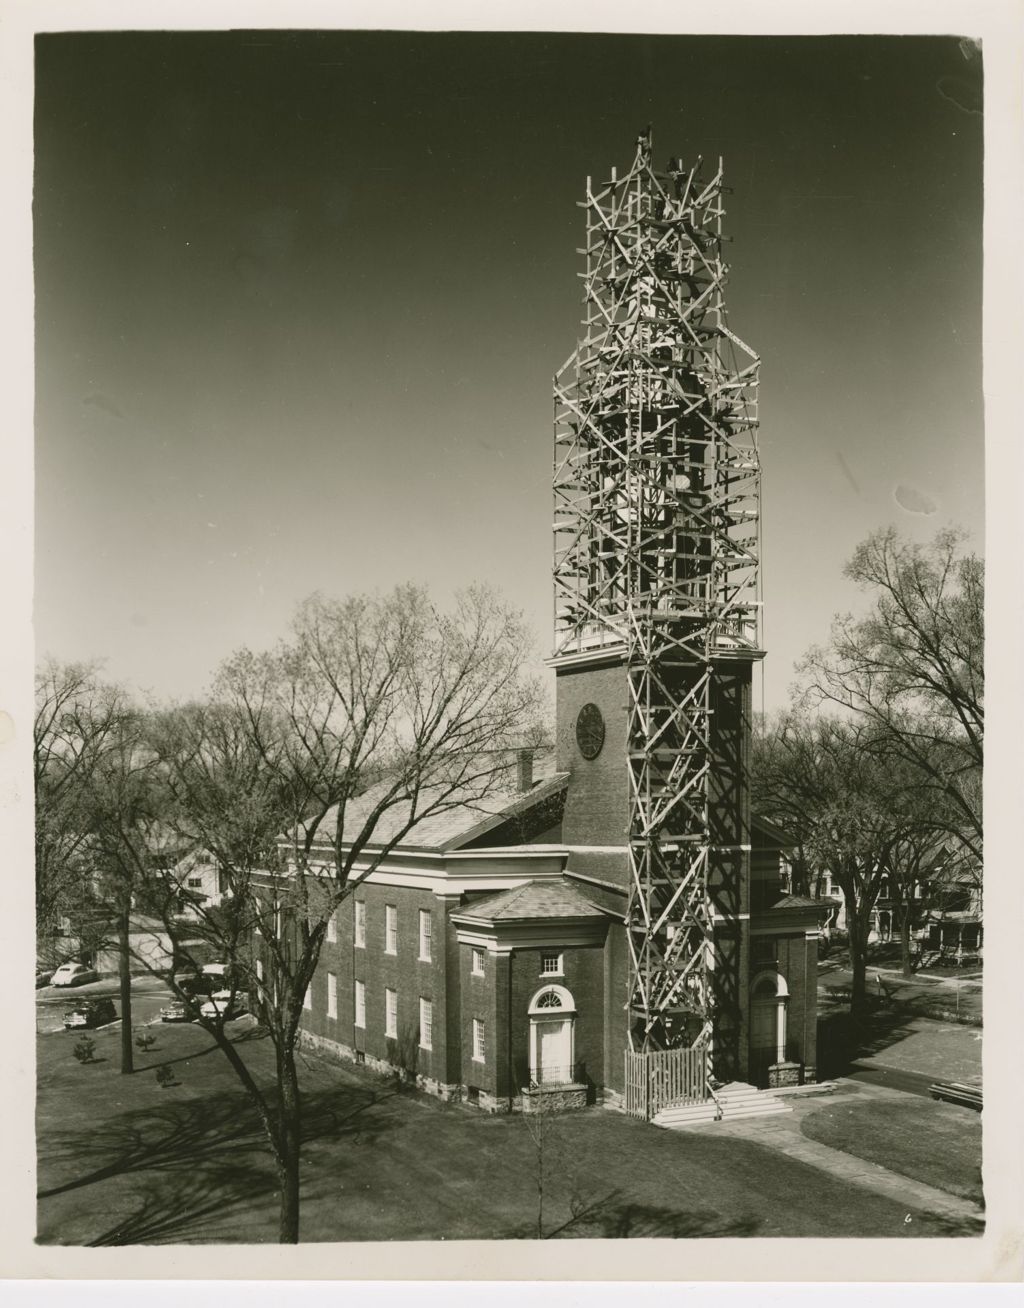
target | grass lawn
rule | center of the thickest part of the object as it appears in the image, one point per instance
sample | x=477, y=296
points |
x=122, y=1161
x=937, y=1143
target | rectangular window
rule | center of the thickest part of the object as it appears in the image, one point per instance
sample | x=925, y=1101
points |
x=332, y=995
x=425, y=929
x=360, y=920
x=390, y=1012
x=478, y=962
x=332, y=928
x=307, y=998
x=390, y=929
x=259, y=969
x=551, y=964
x=426, y=1024
x=360, y=1003
x=195, y=882
x=763, y=949
x=478, y=1040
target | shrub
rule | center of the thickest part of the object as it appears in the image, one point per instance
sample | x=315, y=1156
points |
x=164, y=1077
x=84, y=1050
x=145, y=1042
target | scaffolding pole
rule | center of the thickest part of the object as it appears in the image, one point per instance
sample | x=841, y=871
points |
x=657, y=509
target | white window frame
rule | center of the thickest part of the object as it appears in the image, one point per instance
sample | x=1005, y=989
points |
x=359, y=923
x=477, y=968
x=426, y=1023
x=479, y=1041
x=359, y=997
x=332, y=929
x=332, y=996
x=391, y=1013
x=558, y=969
x=391, y=928
x=426, y=936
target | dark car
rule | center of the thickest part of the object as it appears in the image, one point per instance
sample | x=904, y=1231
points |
x=194, y=988
x=93, y=1013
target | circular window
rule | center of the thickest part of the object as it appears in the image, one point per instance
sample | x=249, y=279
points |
x=590, y=731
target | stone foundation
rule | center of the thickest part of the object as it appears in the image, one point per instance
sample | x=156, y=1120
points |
x=346, y=1054
x=553, y=1098
x=780, y=1074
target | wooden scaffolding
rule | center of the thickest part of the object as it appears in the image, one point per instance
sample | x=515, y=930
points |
x=657, y=508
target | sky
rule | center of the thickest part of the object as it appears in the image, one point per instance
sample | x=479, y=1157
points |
x=300, y=296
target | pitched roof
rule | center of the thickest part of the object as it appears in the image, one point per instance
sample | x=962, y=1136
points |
x=776, y=835
x=462, y=816
x=534, y=899
x=801, y=901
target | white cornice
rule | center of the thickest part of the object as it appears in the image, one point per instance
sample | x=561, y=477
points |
x=610, y=653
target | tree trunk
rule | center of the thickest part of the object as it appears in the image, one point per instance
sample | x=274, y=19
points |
x=908, y=967
x=289, y=1145
x=858, y=957
x=124, y=973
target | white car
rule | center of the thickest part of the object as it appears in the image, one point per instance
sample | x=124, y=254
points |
x=220, y=1005
x=73, y=974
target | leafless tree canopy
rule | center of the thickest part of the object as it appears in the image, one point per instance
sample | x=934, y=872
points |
x=913, y=667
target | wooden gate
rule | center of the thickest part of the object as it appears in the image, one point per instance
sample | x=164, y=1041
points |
x=665, y=1076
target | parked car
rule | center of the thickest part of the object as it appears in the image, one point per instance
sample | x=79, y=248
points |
x=43, y=978
x=74, y=974
x=92, y=1013
x=194, y=987
x=224, y=1005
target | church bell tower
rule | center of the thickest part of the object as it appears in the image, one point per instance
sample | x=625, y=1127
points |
x=656, y=508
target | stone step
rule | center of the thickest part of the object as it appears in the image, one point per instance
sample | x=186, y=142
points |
x=685, y=1114
x=756, y=1110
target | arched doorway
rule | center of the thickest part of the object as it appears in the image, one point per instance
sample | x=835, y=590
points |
x=552, y=1036
x=769, y=997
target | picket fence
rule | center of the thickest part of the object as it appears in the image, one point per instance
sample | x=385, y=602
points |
x=665, y=1076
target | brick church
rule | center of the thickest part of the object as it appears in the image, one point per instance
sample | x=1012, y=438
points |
x=613, y=924
x=487, y=956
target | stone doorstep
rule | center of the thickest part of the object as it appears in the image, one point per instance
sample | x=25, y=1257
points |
x=554, y=1098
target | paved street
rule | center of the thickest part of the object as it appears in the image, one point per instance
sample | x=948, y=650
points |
x=52, y=1002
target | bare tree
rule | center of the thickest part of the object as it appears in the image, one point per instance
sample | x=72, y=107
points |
x=913, y=666
x=120, y=807
x=822, y=779
x=76, y=718
x=375, y=714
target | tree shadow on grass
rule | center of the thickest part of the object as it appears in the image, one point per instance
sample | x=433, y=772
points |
x=200, y=1155
x=615, y=1218
x=189, y=1208
x=843, y=1038
x=243, y=1037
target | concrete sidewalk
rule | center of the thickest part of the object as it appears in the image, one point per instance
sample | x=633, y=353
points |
x=783, y=1133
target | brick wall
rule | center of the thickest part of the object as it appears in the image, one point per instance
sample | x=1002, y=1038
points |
x=479, y=1000
x=596, y=806
x=402, y=972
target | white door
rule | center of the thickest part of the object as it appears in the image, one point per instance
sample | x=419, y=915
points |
x=554, y=1052
x=763, y=1024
